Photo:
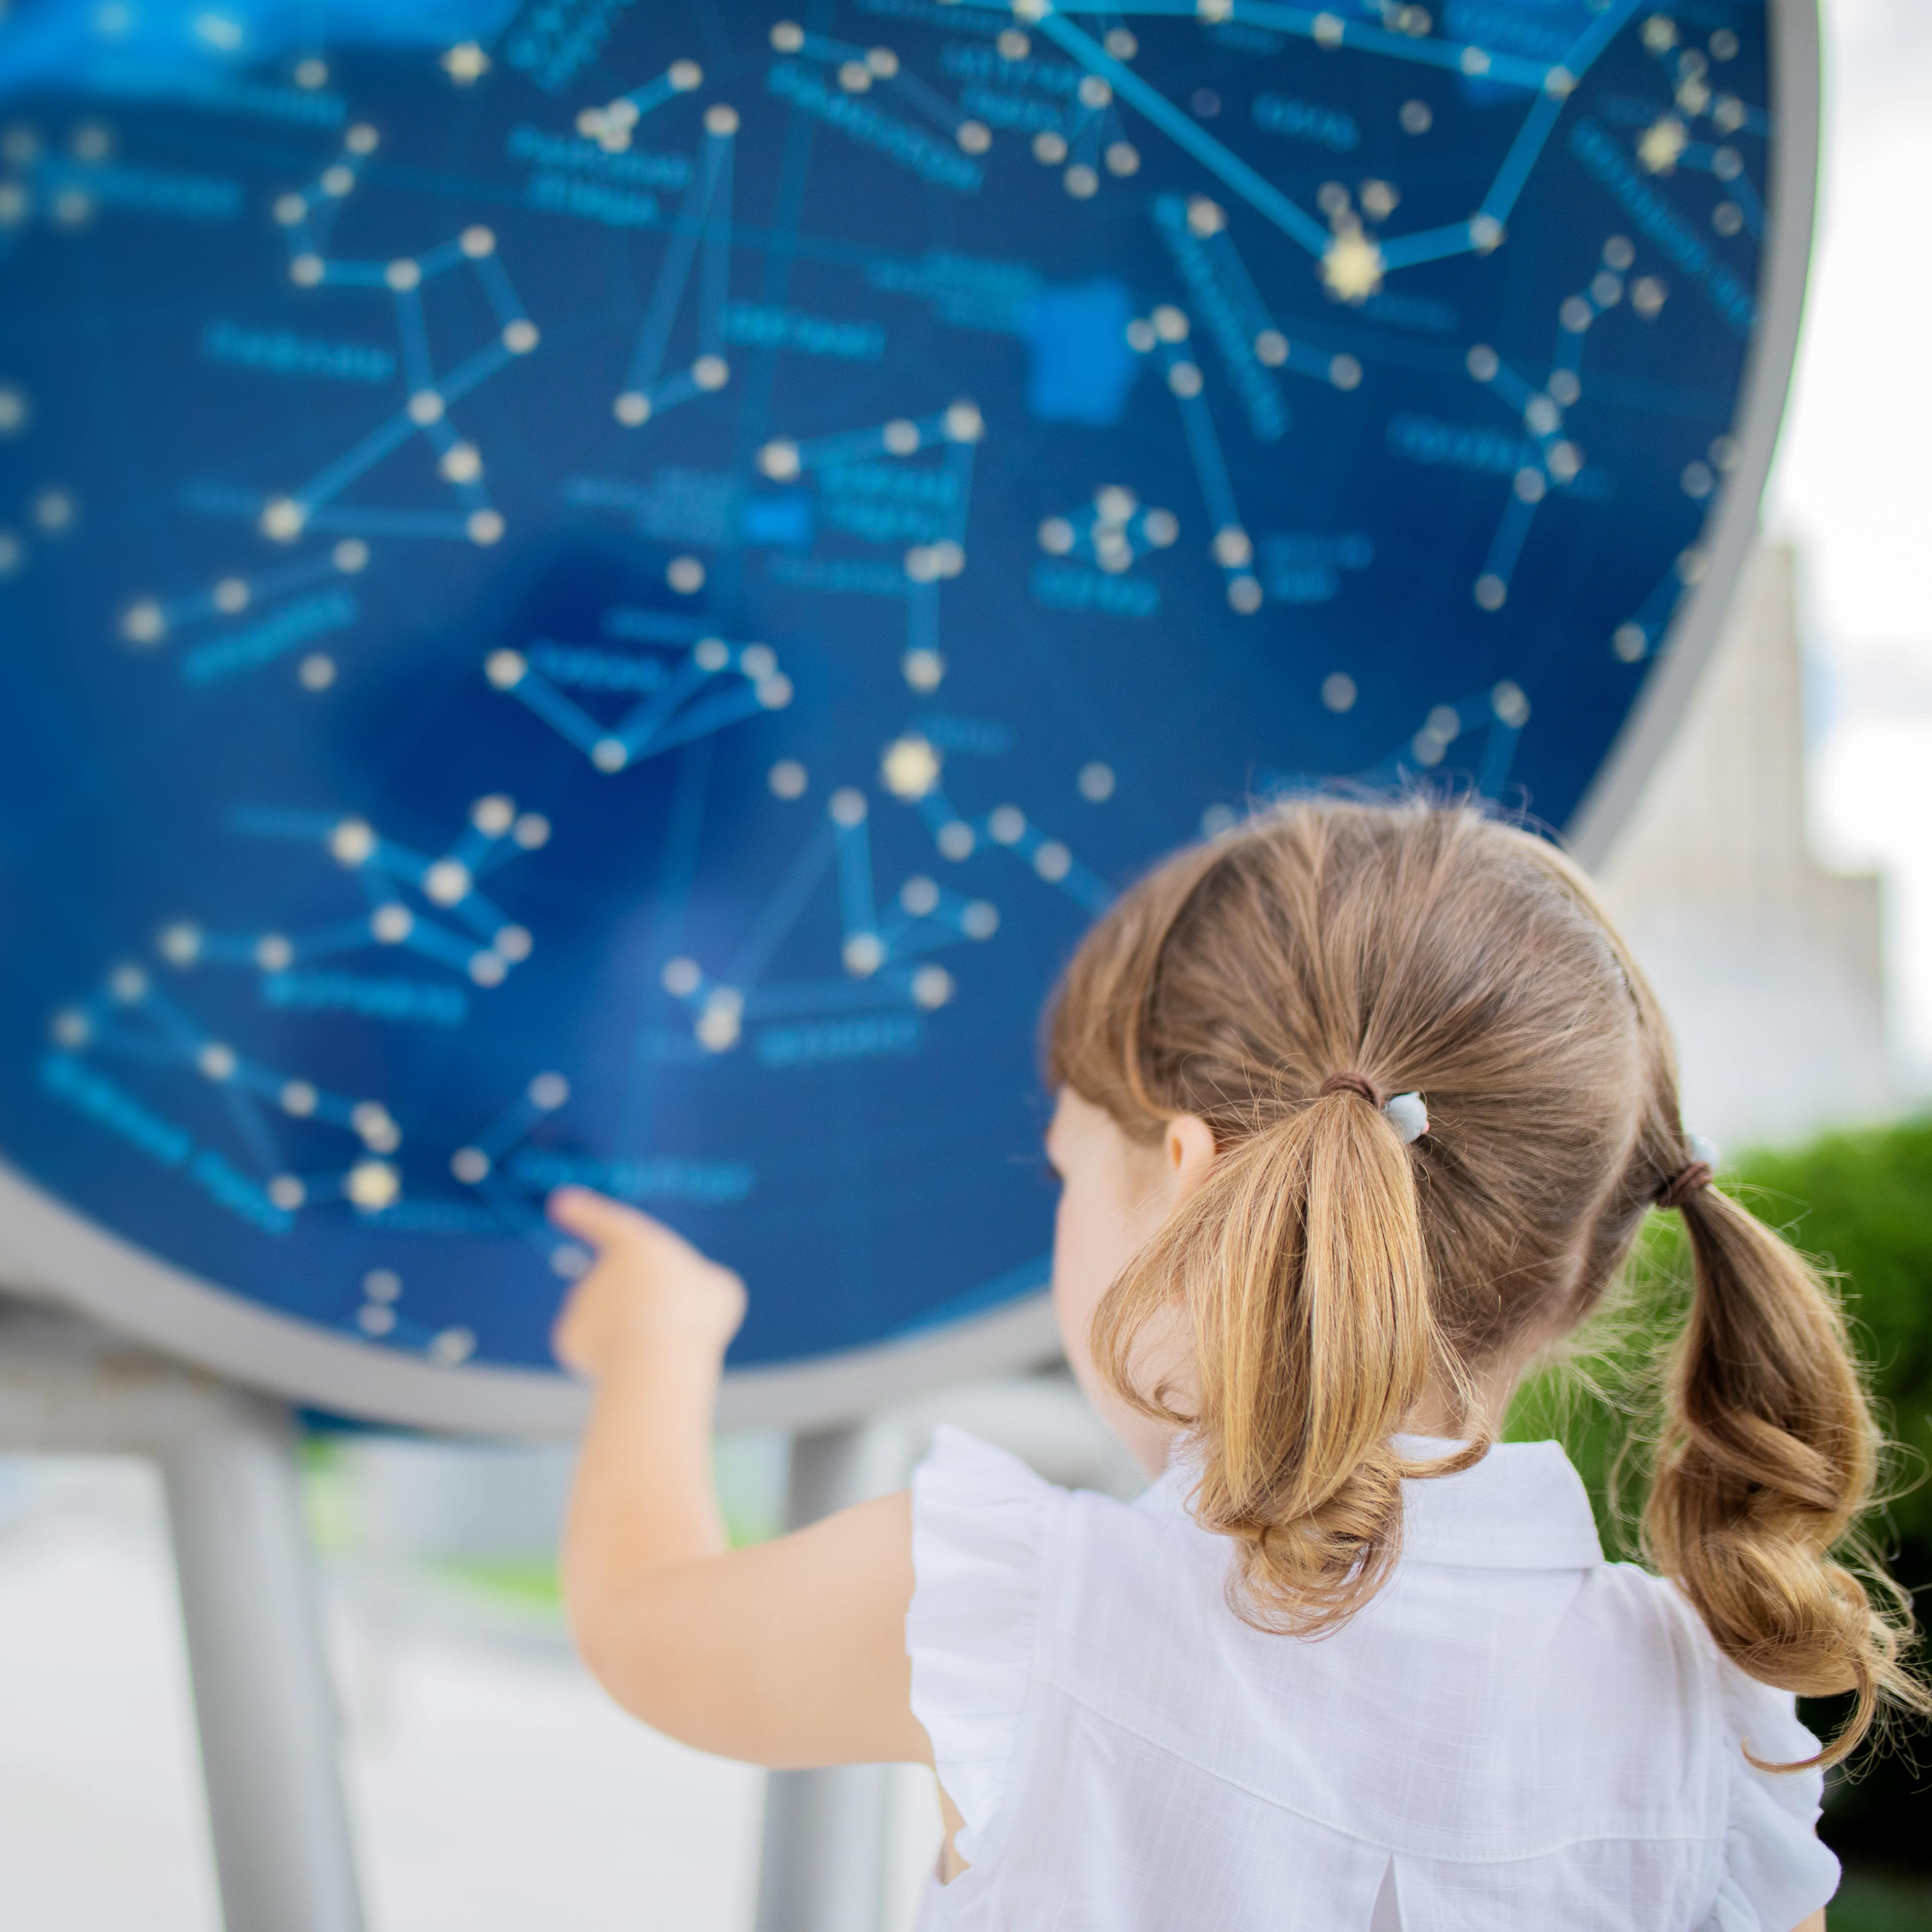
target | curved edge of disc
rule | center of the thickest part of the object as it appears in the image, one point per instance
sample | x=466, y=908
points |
x=1654, y=719
x=48, y=1250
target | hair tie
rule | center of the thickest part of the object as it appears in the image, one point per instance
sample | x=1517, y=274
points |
x=1684, y=1182
x=1404, y=1112
x=1350, y=1083
x=1676, y=1188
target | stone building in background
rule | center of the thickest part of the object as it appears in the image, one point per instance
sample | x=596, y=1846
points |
x=1770, y=967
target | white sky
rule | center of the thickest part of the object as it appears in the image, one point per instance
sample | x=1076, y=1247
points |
x=1851, y=485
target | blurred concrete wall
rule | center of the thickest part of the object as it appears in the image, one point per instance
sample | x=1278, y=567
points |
x=1770, y=966
x=425, y=1498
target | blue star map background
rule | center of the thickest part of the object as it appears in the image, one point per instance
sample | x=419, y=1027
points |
x=596, y=592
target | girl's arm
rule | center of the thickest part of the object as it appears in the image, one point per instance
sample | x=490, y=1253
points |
x=789, y=1654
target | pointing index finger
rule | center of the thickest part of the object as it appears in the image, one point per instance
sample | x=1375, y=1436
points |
x=596, y=1217
x=605, y=1223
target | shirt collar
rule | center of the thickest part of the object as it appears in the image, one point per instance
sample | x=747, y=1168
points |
x=1523, y=1506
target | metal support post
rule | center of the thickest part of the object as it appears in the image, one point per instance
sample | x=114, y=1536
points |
x=264, y=1701
x=823, y=1868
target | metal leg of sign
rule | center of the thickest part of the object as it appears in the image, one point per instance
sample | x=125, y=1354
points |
x=823, y=1866
x=264, y=1701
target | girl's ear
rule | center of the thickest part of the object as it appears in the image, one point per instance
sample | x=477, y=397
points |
x=1189, y=1151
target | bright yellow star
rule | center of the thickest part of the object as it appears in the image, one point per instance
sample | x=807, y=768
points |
x=465, y=62
x=910, y=766
x=1352, y=267
x=1663, y=141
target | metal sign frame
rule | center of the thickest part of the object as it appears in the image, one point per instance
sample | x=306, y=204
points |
x=1654, y=719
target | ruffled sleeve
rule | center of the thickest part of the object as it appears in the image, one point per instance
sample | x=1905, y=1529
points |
x=981, y=1521
x=1776, y=1872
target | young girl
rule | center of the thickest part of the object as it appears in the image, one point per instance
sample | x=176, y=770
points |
x=1359, y=1108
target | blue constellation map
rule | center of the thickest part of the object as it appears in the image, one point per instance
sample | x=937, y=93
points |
x=598, y=593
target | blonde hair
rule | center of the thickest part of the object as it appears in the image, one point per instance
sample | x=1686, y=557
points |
x=1327, y=1273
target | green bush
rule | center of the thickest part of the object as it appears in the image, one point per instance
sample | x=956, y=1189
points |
x=1879, y=1902
x=1861, y=1204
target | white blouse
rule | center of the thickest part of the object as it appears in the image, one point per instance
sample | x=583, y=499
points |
x=1513, y=1736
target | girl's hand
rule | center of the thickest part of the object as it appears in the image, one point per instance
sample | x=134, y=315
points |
x=649, y=1290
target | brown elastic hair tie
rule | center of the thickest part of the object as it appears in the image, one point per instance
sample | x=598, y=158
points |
x=1686, y=1182
x=1350, y=1083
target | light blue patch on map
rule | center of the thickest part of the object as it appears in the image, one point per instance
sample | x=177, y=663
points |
x=1080, y=366
x=782, y=519
x=159, y=46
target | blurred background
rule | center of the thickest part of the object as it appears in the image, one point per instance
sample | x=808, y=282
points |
x=1777, y=882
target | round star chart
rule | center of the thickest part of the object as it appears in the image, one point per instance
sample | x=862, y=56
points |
x=598, y=594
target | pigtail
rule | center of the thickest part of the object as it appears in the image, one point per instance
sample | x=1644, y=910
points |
x=1768, y=1456
x=1296, y=1278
